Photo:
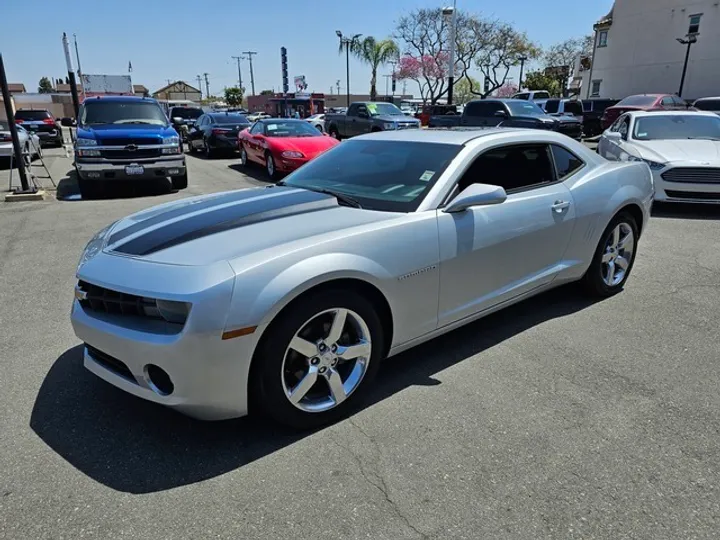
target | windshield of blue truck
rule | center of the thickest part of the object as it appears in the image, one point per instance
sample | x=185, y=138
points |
x=116, y=112
x=527, y=108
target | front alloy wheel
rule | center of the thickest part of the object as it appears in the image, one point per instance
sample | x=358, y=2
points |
x=270, y=166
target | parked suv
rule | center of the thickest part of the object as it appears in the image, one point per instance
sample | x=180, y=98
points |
x=42, y=123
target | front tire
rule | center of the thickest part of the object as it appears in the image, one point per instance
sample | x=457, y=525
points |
x=335, y=134
x=88, y=190
x=270, y=167
x=614, y=257
x=179, y=182
x=317, y=359
x=243, y=156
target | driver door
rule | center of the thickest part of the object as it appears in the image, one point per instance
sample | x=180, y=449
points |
x=491, y=254
x=254, y=143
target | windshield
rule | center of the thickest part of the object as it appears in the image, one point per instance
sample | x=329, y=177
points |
x=391, y=176
x=708, y=105
x=525, y=108
x=118, y=112
x=286, y=128
x=637, y=101
x=686, y=126
x=383, y=109
x=185, y=113
x=230, y=119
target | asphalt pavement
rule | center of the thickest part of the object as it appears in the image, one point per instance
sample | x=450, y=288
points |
x=557, y=418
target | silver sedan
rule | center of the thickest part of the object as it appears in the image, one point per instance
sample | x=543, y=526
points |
x=29, y=142
x=285, y=299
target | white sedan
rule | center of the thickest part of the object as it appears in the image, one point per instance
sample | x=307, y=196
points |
x=681, y=148
x=254, y=117
x=29, y=142
x=317, y=120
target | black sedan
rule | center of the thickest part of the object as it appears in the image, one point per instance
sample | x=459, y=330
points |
x=215, y=132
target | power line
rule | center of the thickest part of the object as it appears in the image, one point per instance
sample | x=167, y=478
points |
x=250, y=54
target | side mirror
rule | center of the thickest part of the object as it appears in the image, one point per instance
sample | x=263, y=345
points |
x=501, y=114
x=476, y=195
x=68, y=122
x=177, y=120
x=613, y=136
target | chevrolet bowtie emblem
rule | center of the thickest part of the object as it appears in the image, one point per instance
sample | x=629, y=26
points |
x=131, y=147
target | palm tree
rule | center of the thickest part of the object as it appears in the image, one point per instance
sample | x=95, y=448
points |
x=374, y=53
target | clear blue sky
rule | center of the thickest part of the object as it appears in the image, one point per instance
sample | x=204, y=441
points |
x=177, y=39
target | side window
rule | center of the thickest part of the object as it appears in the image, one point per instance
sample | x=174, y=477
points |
x=476, y=108
x=515, y=168
x=362, y=109
x=257, y=128
x=616, y=124
x=522, y=96
x=680, y=103
x=574, y=108
x=352, y=111
x=624, y=127
x=667, y=102
x=552, y=106
x=566, y=162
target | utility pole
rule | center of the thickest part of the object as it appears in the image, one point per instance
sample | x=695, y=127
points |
x=169, y=81
x=199, y=80
x=77, y=56
x=238, y=58
x=207, y=85
x=387, y=78
x=522, y=59
x=252, y=76
x=19, y=158
x=337, y=83
x=71, y=75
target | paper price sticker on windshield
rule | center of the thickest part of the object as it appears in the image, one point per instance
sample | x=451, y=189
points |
x=272, y=127
x=372, y=107
x=427, y=176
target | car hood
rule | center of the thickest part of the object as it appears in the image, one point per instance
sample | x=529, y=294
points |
x=225, y=226
x=124, y=131
x=309, y=146
x=679, y=150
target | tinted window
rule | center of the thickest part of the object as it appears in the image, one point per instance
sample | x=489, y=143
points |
x=690, y=126
x=521, y=96
x=512, y=167
x=32, y=115
x=541, y=95
x=525, y=109
x=565, y=161
x=667, y=102
x=257, y=128
x=708, y=105
x=552, y=106
x=638, y=101
x=185, y=112
x=119, y=112
x=482, y=108
x=382, y=175
x=599, y=105
x=574, y=107
x=230, y=119
x=352, y=111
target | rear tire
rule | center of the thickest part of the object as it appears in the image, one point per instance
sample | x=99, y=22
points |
x=334, y=133
x=191, y=148
x=209, y=152
x=614, y=257
x=180, y=182
x=276, y=366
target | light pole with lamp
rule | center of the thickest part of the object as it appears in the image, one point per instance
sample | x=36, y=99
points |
x=522, y=60
x=348, y=42
x=451, y=13
x=691, y=39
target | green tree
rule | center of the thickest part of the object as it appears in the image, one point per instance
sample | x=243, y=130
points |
x=374, y=53
x=266, y=92
x=45, y=86
x=234, y=96
x=538, y=80
x=462, y=92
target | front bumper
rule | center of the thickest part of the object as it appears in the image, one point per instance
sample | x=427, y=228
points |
x=209, y=375
x=685, y=192
x=289, y=164
x=102, y=169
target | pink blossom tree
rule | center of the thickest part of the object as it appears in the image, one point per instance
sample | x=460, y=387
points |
x=506, y=90
x=428, y=71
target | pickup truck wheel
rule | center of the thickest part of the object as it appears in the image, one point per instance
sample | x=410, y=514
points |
x=179, y=182
x=88, y=189
x=270, y=166
x=334, y=133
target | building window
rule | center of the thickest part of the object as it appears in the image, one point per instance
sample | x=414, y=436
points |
x=602, y=38
x=595, y=90
x=694, y=24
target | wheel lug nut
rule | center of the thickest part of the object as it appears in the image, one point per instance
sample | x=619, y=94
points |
x=322, y=369
x=315, y=361
x=322, y=347
x=334, y=348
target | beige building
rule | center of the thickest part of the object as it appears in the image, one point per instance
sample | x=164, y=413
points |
x=178, y=90
x=637, y=51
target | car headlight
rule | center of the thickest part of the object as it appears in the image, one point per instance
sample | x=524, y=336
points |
x=292, y=154
x=389, y=125
x=654, y=165
x=94, y=246
x=85, y=142
x=170, y=310
x=175, y=140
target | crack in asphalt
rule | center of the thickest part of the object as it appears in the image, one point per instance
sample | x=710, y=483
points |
x=375, y=478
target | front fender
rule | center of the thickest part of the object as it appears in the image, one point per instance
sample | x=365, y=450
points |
x=256, y=302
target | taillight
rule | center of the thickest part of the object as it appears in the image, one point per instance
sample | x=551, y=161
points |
x=5, y=138
x=49, y=121
x=217, y=131
x=18, y=121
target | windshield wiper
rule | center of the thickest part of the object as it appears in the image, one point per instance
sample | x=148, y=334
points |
x=347, y=200
x=705, y=138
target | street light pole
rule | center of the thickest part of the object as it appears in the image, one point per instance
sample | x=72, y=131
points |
x=452, y=13
x=347, y=42
x=691, y=39
x=522, y=59
x=71, y=75
x=19, y=158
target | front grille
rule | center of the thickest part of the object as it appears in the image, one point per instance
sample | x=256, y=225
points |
x=131, y=154
x=407, y=126
x=102, y=300
x=124, y=142
x=110, y=363
x=693, y=175
x=697, y=195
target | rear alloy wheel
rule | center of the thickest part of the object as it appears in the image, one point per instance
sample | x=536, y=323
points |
x=270, y=166
x=317, y=359
x=614, y=257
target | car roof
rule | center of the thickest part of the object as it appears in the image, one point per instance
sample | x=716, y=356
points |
x=707, y=98
x=271, y=120
x=457, y=136
x=643, y=114
x=119, y=98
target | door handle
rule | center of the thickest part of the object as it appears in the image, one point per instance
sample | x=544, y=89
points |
x=560, y=206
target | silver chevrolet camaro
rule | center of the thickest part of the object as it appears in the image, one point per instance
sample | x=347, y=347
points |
x=285, y=299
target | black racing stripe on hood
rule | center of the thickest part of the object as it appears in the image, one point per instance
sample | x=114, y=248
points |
x=224, y=219
x=173, y=213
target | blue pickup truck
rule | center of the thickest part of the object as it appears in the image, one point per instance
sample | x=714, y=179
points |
x=125, y=138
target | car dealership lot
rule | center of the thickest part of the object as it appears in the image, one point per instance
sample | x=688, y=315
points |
x=557, y=418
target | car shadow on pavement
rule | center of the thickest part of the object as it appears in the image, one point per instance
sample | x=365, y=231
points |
x=686, y=211
x=135, y=446
x=255, y=172
x=67, y=188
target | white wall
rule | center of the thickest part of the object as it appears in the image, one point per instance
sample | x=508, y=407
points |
x=643, y=56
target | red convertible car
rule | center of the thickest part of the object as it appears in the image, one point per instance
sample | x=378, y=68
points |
x=282, y=144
